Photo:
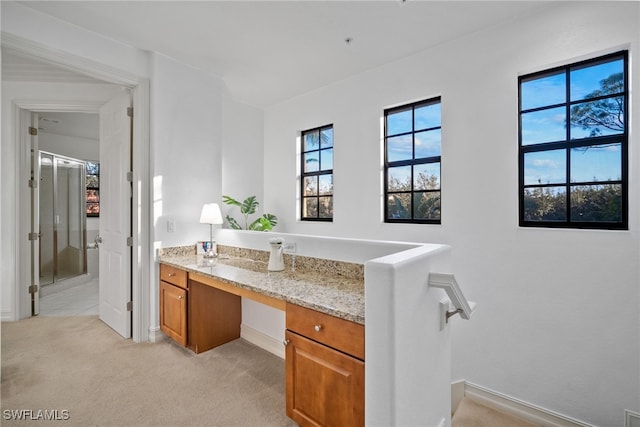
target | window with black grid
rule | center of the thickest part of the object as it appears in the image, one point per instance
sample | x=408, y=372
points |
x=573, y=136
x=412, y=142
x=317, y=174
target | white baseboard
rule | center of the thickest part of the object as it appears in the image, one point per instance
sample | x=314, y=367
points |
x=155, y=335
x=7, y=316
x=519, y=408
x=264, y=341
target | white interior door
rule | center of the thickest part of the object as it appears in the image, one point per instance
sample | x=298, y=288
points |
x=115, y=214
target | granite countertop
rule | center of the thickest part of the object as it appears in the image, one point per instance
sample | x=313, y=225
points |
x=334, y=294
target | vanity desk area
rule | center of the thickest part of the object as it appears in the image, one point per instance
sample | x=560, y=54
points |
x=406, y=290
x=200, y=308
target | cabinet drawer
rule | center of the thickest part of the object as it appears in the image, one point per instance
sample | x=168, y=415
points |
x=343, y=335
x=173, y=275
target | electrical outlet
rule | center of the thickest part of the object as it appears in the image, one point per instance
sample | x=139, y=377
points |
x=290, y=248
x=171, y=226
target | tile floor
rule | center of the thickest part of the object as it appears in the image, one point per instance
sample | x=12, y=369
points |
x=71, y=297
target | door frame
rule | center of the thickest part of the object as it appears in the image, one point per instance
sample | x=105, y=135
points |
x=141, y=265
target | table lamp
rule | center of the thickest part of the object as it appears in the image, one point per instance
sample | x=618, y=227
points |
x=210, y=215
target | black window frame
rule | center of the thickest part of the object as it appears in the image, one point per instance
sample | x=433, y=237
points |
x=568, y=144
x=411, y=162
x=316, y=174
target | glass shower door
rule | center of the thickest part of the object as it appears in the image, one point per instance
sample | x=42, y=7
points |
x=62, y=218
x=47, y=259
x=69, y=219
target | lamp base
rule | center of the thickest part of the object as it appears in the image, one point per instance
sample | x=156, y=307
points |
x=210, y=254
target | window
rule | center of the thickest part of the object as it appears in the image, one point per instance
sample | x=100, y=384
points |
x=412, y=136
x=573, y=145
x=93, y=189
x=317, y=174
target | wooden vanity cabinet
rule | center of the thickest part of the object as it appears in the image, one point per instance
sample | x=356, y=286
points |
x=324, y=369
x=194, y=314
x=173, y=303
x=214, y=317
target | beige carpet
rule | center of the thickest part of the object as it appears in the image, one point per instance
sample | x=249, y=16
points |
x=79, y=365
x=473, y=414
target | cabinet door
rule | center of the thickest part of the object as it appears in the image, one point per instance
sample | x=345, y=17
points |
x=324, y=387
x=173, y=312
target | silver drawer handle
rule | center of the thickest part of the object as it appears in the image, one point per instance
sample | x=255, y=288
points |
x=172, y=274
x=318, y=328
x=180, y=297
x=285, y=342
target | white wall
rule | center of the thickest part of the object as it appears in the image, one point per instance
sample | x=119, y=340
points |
x=558, y=323
x=339, y=249
x=186, y=127
x=408, y=356
x=242, y=151
x=242, y=171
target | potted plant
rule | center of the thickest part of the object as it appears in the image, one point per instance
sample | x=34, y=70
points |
x=248, y=207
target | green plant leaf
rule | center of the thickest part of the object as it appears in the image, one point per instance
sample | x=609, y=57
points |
x=272, y=219
x=265, y=224
x=233, y=223
x=230, y=201
x=255, y=225
x=249, y=205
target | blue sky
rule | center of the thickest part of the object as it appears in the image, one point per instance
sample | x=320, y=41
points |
x=595, y=163
x=427, y=142
x=600, y=163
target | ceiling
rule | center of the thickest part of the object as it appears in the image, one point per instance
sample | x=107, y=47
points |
x=269, y=51
x=81, y=125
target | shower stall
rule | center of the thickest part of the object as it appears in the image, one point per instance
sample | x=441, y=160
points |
x=62, y=218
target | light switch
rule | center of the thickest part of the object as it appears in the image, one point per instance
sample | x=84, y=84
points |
x=171, y=226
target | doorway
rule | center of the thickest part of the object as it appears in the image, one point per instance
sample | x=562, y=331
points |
x=114, y=147
x=59, y=99
x=68, y=176
x=115, y=281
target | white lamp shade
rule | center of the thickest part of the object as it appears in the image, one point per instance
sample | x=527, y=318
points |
x=211, y=214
